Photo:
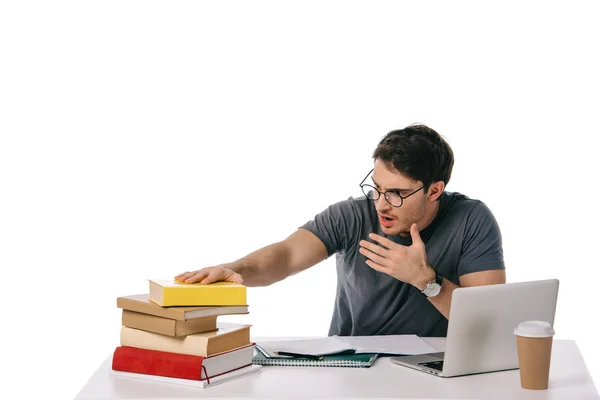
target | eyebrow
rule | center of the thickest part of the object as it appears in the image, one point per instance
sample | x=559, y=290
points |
x=390, y=189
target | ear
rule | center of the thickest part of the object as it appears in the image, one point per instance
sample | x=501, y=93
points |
x=435, y=190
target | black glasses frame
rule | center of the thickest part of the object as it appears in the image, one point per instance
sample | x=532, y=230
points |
x=385, y=194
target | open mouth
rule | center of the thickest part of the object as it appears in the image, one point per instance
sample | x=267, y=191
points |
x=386, y=221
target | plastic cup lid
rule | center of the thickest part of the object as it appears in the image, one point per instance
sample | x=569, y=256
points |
x=534, y=329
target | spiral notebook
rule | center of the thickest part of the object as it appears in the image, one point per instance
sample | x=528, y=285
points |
x=362, y=360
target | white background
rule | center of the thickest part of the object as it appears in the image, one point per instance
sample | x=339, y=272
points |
x=143, y=139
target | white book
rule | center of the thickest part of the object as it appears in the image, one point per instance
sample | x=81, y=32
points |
x=238, y=373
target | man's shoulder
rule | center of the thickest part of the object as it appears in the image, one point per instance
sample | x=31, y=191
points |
x=455, y=203
x=358, y=209
x=356, y=204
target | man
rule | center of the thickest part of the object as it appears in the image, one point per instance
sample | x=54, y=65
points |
x=400, y=251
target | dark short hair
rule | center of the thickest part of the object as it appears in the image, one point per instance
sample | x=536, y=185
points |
x=418, y=152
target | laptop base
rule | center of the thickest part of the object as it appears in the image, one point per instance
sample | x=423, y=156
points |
x=431, y=363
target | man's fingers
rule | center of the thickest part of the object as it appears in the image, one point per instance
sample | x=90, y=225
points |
x=210, y=275
x=416, y=236
x=183, y=276
x=237, y=278
x=373, y=256
x=375, y=266
x=214, y=276
x=374, y=248
x=384, y=241
x=197, y=277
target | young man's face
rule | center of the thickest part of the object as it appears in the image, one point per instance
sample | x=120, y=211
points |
x=397, y=220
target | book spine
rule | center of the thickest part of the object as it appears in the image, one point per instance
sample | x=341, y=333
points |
x=167, y=326
x=150, y=308
x=158, y=363
x=192, y=345
x=149, y=323
x=196, y=325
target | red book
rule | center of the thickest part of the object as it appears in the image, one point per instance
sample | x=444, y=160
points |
x=175, y=365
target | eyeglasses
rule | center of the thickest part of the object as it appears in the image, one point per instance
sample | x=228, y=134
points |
x=392, y=197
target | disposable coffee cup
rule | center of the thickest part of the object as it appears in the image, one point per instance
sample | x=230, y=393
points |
x=534, y=348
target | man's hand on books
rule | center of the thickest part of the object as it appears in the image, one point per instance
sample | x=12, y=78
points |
x=209, y=275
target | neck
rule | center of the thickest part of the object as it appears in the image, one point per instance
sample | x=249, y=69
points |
x=430, y=213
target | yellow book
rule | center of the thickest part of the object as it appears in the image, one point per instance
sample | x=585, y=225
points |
x=171, y=293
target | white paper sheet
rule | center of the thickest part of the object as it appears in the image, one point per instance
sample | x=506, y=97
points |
x=317, y=347
x=388, y=344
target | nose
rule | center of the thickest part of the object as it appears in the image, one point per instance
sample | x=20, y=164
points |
x=382, y=205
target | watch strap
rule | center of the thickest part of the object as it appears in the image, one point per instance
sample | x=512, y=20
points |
x=438, y=278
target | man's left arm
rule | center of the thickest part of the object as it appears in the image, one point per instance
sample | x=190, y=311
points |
x=443, y=299
x=481, y=261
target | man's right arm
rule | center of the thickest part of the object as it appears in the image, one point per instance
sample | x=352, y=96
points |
x=275, y=262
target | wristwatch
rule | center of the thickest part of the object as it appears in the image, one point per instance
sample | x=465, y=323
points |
x=434, y=287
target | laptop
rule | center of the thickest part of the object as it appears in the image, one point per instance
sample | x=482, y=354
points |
x=481, y=327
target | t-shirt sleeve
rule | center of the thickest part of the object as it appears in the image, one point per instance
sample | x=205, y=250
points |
x=482, y=243
x=337, y=226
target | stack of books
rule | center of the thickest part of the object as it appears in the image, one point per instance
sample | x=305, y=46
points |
x=171, y=334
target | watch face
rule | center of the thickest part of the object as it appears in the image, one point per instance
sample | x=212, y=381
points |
x=432, y=289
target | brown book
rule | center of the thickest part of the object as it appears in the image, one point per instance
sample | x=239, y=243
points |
x=168, y=326
x=228, y=336
x=141, y=303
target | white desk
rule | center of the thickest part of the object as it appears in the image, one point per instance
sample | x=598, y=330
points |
x=569, y=379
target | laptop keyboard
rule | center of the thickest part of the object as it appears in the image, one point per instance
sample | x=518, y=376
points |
x=433, y=364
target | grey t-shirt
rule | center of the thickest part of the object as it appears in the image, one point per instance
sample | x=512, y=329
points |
x=464, y=237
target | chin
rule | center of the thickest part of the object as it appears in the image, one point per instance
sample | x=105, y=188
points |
x=391, y=231
x=395, y=231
